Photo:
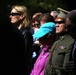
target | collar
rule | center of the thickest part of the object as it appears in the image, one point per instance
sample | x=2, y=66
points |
x=62, y=37
x=46, y=48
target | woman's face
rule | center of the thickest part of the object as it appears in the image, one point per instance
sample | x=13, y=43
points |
x=15, y=16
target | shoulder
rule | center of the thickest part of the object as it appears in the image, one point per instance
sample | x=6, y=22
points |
x=27, y=34
x=68, y=40
x=26, y=31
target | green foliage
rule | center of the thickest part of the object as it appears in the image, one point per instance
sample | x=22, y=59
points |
x=41, y=5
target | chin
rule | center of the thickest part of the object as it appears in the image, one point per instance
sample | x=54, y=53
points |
x=57, y=32
x=12, y=22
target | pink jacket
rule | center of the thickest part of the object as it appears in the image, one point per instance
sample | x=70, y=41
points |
x=40, y=63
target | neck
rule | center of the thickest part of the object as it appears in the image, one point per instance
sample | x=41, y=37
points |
x=19, y=27
x=62, y=34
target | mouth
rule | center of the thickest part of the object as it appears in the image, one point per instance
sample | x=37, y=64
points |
x=57, y=28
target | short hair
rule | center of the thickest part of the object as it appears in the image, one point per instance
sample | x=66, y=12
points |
x=72, y=17
x=55, y=13
x=46, y=17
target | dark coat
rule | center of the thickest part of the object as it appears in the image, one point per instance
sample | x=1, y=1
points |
x=12, y=50
x=73, y=58
x=28, y=51
x=61, y=52
x=75, y=63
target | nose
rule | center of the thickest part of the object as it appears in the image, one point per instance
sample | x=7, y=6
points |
x=57, y=24
x=10, y=16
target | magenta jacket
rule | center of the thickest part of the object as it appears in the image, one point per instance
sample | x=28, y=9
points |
x=40, y=63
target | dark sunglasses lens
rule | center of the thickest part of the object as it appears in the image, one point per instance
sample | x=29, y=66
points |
x=14, y=14
x=59, y=22
x=36, y=24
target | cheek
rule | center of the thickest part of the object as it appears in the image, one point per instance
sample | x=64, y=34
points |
x=14, y=19
x=42, y=22
x=62, y=28
x=59, y=29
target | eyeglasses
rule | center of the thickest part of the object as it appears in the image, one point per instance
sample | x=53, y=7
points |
x=59, y=22
x=14, y=14
x=36, y=24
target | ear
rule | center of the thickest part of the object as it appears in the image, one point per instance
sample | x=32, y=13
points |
x=22, y=16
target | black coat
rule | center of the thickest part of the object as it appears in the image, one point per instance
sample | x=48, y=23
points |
x=12, y=50
x=28, y=51
x=73, y=58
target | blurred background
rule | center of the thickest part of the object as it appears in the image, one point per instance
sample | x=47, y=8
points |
x=44, y=5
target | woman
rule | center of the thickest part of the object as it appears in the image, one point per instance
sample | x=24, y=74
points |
x=19, y=17
x=46, y=37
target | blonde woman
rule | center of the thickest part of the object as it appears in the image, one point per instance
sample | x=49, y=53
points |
x=19, y=16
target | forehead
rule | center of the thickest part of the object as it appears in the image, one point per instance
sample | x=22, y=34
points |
x=59, y=19
x=13, y=10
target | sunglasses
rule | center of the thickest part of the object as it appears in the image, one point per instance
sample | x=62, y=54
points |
x=36, y=24
x=15, y=14
x=59, y=22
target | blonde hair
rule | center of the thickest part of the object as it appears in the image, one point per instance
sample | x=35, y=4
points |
x=24, y=11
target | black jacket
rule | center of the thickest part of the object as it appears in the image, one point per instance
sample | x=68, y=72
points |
x=73, y=58
x=12, y=50
x=28, y=51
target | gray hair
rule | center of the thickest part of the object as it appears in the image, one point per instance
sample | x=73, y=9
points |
x=55, y=13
